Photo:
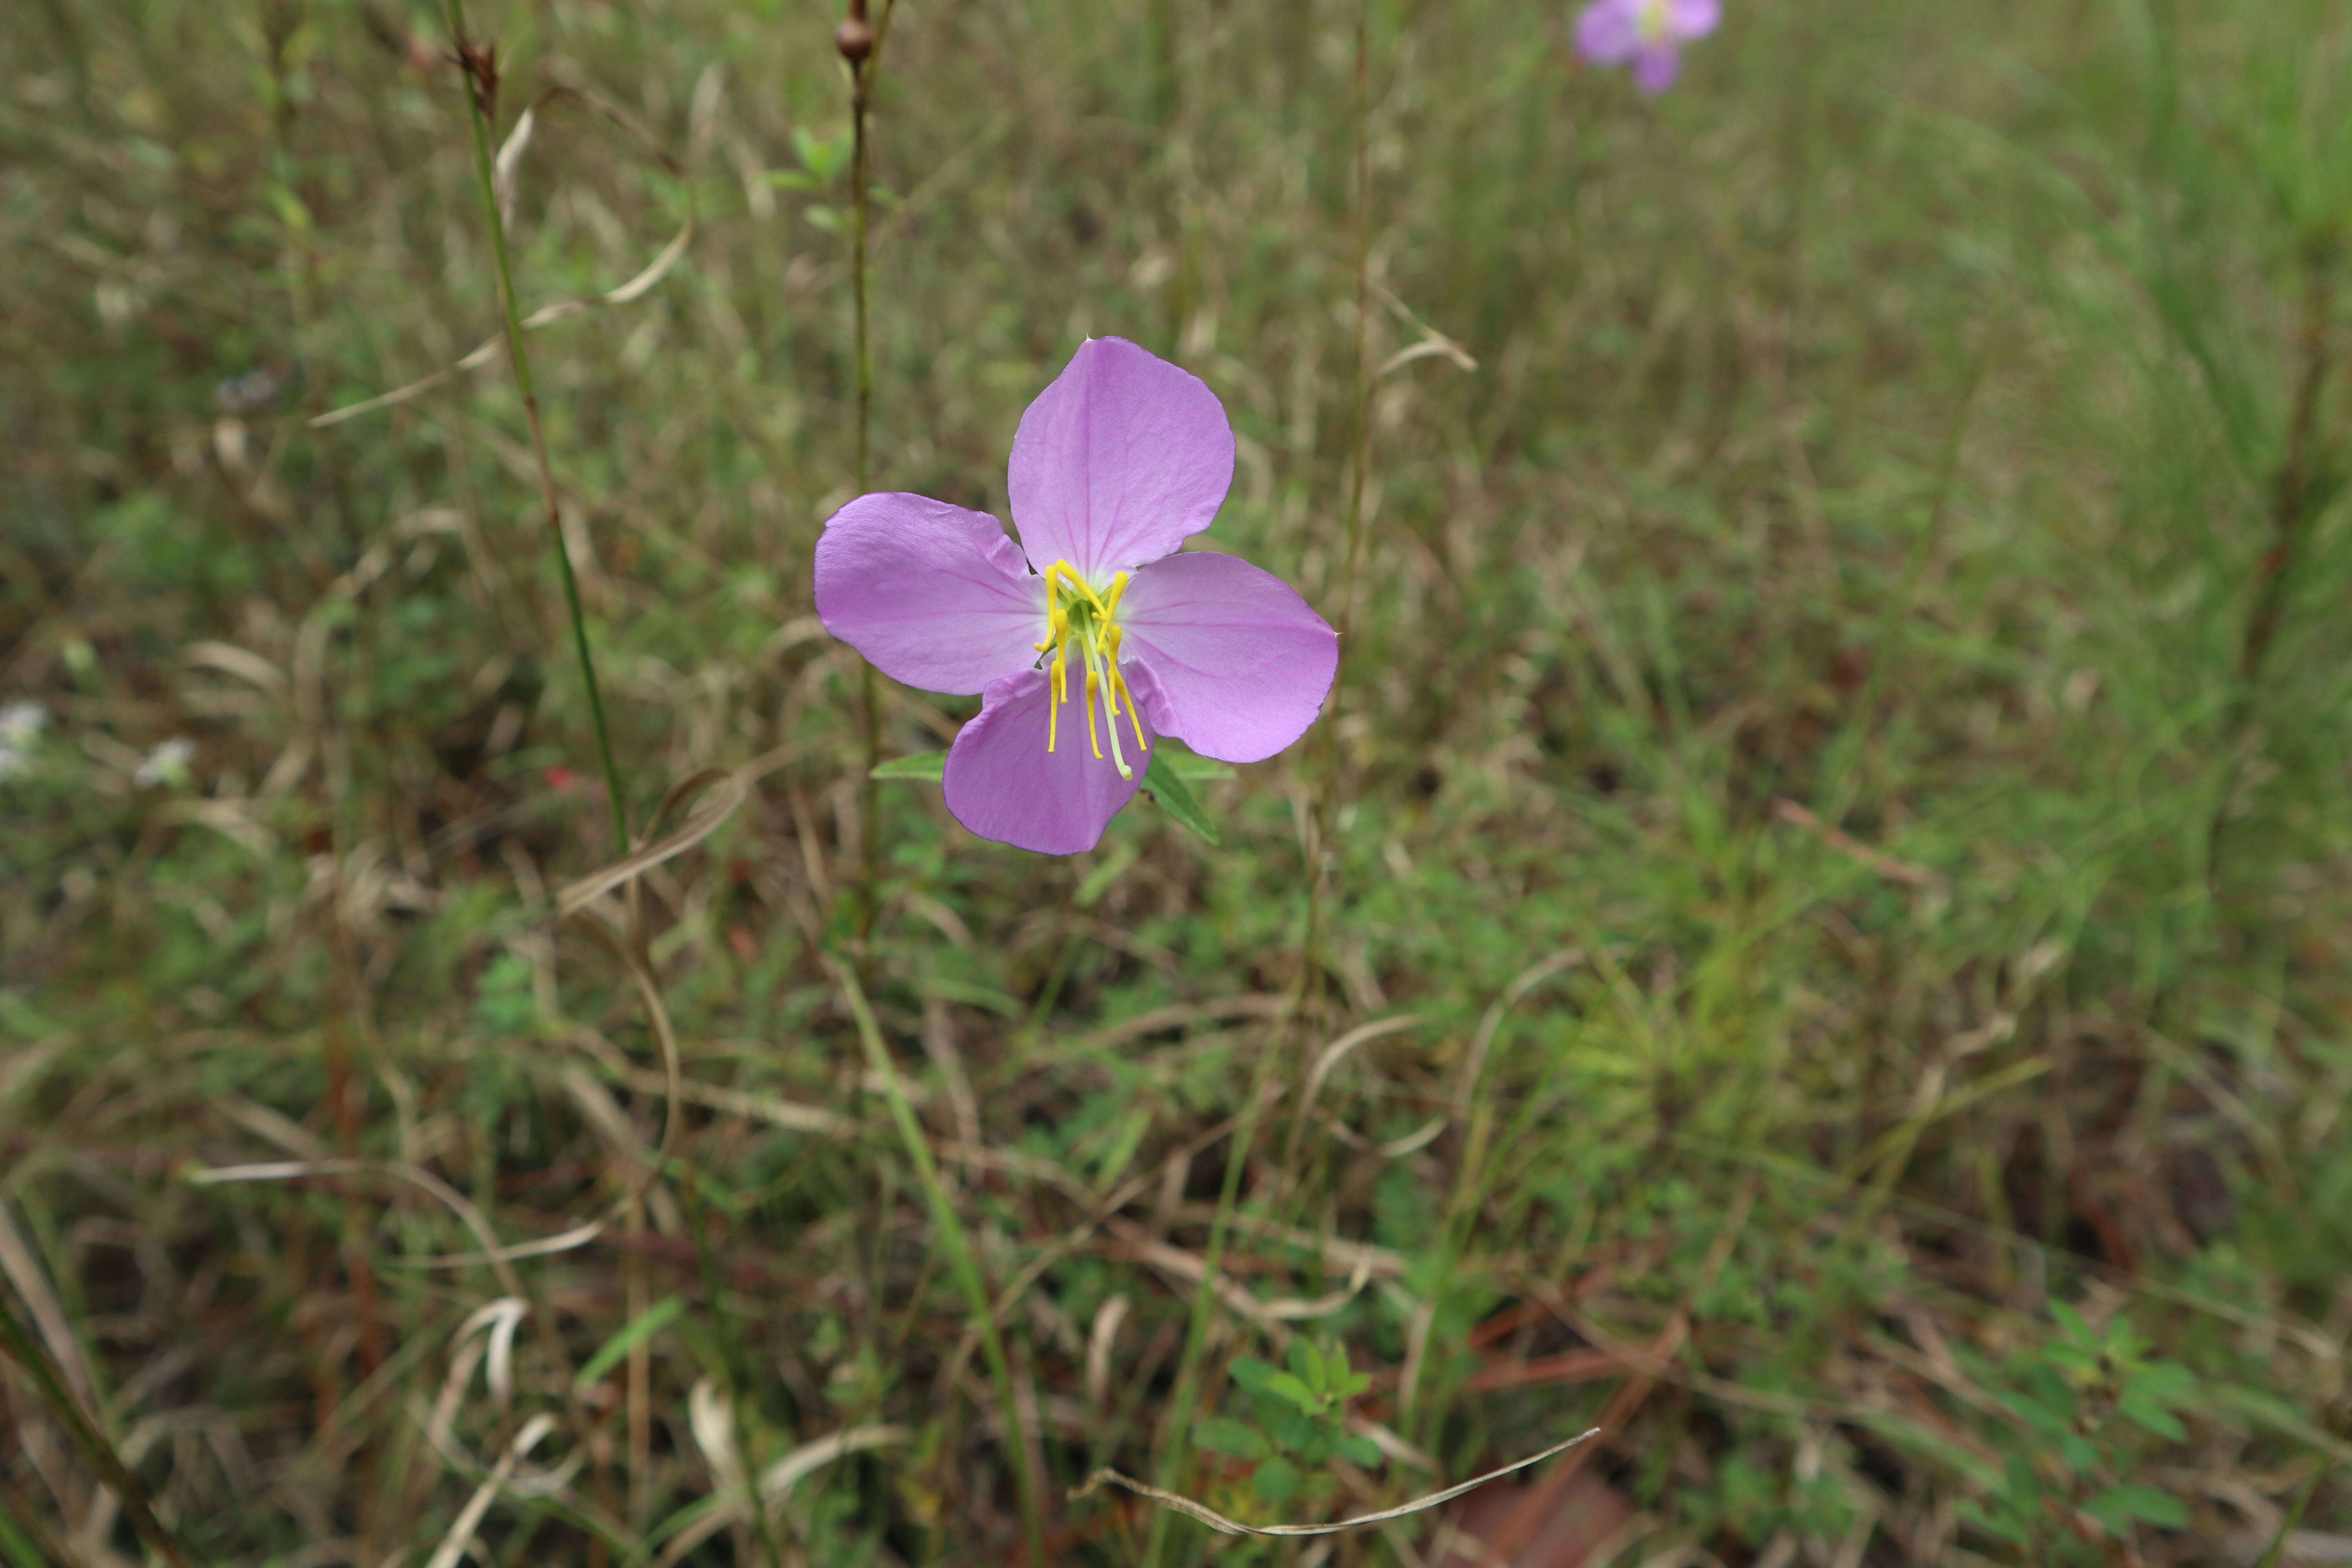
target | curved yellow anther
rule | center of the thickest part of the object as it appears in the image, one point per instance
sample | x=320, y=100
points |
x=1133, y=717
x=1059, y=679
x=1075, y=613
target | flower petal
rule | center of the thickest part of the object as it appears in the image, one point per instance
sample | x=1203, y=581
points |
x=1608, y=32
x=1119, y=462
x=932, y=595
x=1239, y=665
x=1694, y=18
x=1655, y=67
x=1003, y=784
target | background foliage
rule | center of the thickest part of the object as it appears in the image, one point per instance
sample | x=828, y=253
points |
x=1842, y=787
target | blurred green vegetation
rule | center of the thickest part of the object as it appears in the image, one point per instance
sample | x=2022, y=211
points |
x=1843, y=785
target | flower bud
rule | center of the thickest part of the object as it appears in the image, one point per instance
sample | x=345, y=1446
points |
x=854, y=37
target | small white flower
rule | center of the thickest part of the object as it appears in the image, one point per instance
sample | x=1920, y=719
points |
x=20, y=721
x=166, y=763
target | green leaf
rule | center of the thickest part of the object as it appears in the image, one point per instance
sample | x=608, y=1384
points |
x=2049, y=1423
x=1307, y=1360
x=1190, y=766
x=2116, y=1509
x=1163, y=783
x=2155, y=1418
x=1251, y=1373
x=970, y=995
x=1293, y=1431
x=1223, y=1434
x=2165, y=1382
x=2001, y=1525
x=930, y=767
x=1276, y=1481
x=1359, y=1451
x=2073, y=1324
x=2024, y=1487
x=1285, y=1386
x=644, y=1326
x=824, y=156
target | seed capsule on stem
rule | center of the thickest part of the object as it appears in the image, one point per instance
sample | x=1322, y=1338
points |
x=854, y=37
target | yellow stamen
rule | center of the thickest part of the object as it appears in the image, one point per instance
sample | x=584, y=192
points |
x=1134, y=718
x=1076, y=612
x=1054, y=706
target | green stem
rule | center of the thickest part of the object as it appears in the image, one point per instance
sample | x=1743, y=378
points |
x=481, y=98
x=1326, y=803
x=869, y=688
x=1358, y=462
x=961, y=1262
x=2294, y=1516
x=863, y=72
x=2292, y=494
x=20, y=1348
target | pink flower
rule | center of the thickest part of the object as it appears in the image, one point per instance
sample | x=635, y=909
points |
x=1102, y=633
x=1648, y=33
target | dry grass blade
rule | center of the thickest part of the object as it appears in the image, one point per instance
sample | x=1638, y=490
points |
x=1337, y=1051
x=730, y=791
x=509, y=154
x=1269, y=1316
x=1855, y=850
x=461, y=1533
x=1218, y=1522
x=24, y=1272
x=779, y=1480
x=753, y=1106
x=493, y=1251
x=1473, y=1066
x=566, y=1241
x=1428, y=348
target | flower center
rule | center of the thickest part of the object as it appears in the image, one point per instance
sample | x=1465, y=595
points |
x=1654, y=25
x=1077, y=618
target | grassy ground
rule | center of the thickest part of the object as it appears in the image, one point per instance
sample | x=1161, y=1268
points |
x=1839, y=799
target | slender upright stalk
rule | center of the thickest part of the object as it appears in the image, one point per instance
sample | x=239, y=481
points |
x=1176, y=1447
x=1323, y=866
x=479, y=63
x=860, y=44
x=2290, y=493
x=1353, y=528
x=18, y=1344
x=2290, y=509
x=960, y=1262
x=480, y=66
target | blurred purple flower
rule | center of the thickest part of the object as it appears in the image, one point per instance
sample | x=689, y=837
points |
x=1118, y=462
x=1648, y=33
